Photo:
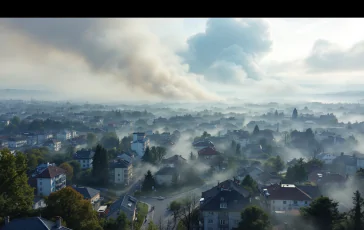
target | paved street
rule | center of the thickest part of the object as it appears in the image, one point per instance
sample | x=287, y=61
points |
x=160, y=213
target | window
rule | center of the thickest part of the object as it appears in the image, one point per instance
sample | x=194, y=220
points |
x=273, y=201
x=306, y=202
x=295, y=202
x=223, y=205
x=211, y=213
x=284, y=202
x=210, y=229
x=40, y=183
x=210, y=221
x=118, y=174
x=40, y=189
x=222, y=199
x=222, y=222
x=236, y=221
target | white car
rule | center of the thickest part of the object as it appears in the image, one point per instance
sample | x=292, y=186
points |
x=160, y=198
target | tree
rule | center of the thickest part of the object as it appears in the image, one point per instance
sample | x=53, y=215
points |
x=76, y=166
x=254, y=218
x=73, y=208
x=152, y=226
x=275, y=164
x=249, y=184
x=110, y=140
x=91, y=139
x=121, y=223
x=256, y=130
x=15, y=121
x=69, y=171
x=16, y=196
x=357, y=213
x=147, y=157
x=71, y=150
x=237, y=149
x=233, y=145
x=297, y=173
x=100, y=166
x=294, y=114
x=148, y=182
x=276, y=113
x=323, y=212
x=188, y=213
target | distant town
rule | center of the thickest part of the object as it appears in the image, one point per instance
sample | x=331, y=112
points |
x=66, y=165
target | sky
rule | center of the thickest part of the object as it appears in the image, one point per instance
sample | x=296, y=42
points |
x=197, y=59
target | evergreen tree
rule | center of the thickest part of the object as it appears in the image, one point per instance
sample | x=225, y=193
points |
x=276, y=113
x=148, y=182
x=16, y=196
x=100, y=167
x=357, y=213
x=256, y=130
x=147, y=157
x=238, y=149
x=294, y=114
x=254, y=218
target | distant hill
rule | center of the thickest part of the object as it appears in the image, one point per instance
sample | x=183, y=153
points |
x=344, y=94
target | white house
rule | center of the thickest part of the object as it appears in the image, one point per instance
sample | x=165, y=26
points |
x=121, y=172
x=17, y=142
x=43, y=137
x=84, y=157
x=285, y=197
x=53, y=145
x=140, y=143
x=327, y=158
x=49, y=178
x=64, y=135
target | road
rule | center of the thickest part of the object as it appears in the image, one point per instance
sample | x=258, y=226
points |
x=160, y=213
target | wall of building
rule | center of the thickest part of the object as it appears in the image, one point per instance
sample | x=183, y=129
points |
x=286, y=205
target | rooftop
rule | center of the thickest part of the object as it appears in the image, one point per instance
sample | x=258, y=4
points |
x=84, y=154
x=32, y=223
x=87, y=192
x=50, y=172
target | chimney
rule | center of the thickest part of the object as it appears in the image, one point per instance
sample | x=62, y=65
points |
x=7, y=219
x=58, y=222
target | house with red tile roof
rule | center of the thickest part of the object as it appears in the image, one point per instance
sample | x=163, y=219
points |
x=48, y=178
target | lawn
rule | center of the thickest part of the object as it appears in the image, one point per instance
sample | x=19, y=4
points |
x=142, y=212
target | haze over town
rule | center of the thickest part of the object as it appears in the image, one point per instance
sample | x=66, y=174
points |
x=183, y=123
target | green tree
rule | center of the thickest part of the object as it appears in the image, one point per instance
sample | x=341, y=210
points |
x=357, y=213
x=323, y=212
x=249, y=184
x=297, y=173
x=254, y=218
x=91, y=140
x=110, y=140
x=69, y=171
x=256, y=130
x=70, y=151
x=15, y=121
x=121, y=223
x=16, y=196
x=100, y=166
x=152, y=226
x=147, y=157
x=149, y=182
x=275, y=164
x=76, y=166
x=73, y=208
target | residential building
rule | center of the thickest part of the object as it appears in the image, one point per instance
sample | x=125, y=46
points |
x=17, y=142
x=165, y=175
x=139, y=144
x=129, y=157
x=53, y=145
x=221, y=206
x=208, y=153
x=64, y=135
x=84, y=157
x=74, y=134
x=174, y=161
x=43, y=137
x=31, y=138
x=93, y=195
x=49, y=178
x=121, y=172
x=284, y=197
x=128, y=206
x=33, y=223
x=327, y=158
x=198, y=145
x=345, y=164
